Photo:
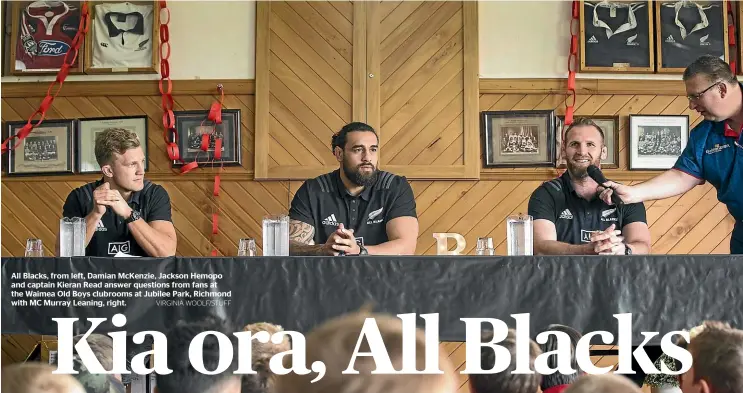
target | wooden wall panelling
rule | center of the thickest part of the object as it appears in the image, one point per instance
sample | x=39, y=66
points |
x=422, y=88
x=305, y=84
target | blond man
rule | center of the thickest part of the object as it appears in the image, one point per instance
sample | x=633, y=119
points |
x=124, y=213
x=36, y=377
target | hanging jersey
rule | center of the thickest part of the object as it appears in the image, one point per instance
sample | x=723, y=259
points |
x=122, y=35
x=689, y=30
x=46, y=32
x=616, y=34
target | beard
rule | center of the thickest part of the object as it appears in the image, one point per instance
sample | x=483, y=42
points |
x=579, y=171
x=357, y=177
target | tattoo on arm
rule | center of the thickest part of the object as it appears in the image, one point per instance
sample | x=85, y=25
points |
x=301, y=232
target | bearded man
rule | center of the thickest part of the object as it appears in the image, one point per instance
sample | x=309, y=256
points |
x=356, y=209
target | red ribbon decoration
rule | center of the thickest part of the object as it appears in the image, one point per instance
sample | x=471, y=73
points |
x=731, y=39
x=572, y=63
x=69, y=59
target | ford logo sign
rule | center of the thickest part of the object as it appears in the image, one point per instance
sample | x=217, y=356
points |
x=53, y=48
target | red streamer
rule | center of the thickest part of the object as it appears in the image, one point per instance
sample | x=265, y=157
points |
x=572, y=63
x=69, y=59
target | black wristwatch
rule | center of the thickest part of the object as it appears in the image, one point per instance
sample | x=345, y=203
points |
x=627, y=250
x=133, y=217
x=363, y=250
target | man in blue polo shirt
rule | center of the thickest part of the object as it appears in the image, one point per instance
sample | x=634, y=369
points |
x=715, y=149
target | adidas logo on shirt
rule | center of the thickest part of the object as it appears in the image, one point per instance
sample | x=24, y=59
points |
x=99, y=227
x=593, y=40
x=566, y=214
x=330, y=220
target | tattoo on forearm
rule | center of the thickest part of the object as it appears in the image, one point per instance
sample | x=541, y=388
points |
x=301, y=232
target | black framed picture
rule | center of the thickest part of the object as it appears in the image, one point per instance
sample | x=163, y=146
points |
x=656, y=141
x=518, y=138
x=47, y=150
x=609, y=125
x=88, y=129
x=194, y=128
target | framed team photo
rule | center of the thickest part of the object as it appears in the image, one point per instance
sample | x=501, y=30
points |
x=124, y=37
x=616, y=36
x=513, y=139
x=47, y=150
x=88, y=130
x=687, y=30
x=656, y=141
x=41, y=34
x=194, y=129
x=609, y=125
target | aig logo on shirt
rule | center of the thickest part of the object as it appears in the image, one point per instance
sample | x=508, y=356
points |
x=585, y=236
x=117, y=247
x=373, y=217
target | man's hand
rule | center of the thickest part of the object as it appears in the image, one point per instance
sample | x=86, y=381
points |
x=104, y=196
x=626, y=193
x=343, y=240
x=608, y=242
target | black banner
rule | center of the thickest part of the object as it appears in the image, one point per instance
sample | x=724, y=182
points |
x=663, y=293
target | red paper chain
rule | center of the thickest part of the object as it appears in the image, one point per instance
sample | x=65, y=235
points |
x=572, y=63
x=69, y=59
x=731, y=39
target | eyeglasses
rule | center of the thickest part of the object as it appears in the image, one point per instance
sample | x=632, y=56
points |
x=694, y=97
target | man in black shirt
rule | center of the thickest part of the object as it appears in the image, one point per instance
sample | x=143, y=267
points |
x=356, y=209
x=123, y=211
x=570, y=218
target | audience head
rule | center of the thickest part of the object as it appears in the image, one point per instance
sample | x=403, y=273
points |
x=262, y=353
x=505, y=381
x=103, y=349
x=717, y=350
x=121, y=158
x=583, y=146
x=603, y=383
x=355, y=146
x=557, y=379
x=709, y=87
x=34, y=377
x=184, y=378
x=334, y=342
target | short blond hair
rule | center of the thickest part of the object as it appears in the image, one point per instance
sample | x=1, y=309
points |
x=333, y=343
x=262, y=353
x=34, y=377
x=112, y=141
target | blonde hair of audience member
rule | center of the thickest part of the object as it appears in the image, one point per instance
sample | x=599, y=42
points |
x=262, y=353
x=603, y=383
x=505, y=381
x=333, y=343
x=717, y=350
x=34, y=377
x=103, y=349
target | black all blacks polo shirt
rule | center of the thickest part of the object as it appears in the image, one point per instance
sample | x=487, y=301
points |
x=576, y=218
x=324, y=203
x=112, y=234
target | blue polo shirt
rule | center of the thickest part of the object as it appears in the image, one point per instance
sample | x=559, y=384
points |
x=715, y=154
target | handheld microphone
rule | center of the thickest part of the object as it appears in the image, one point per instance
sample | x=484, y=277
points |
x=595, y=173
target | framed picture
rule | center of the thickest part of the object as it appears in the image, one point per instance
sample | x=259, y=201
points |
x=687, y=30
x=656, y=141
x=518, y=138
x=90, y=128
x=41, y=35
x=192, y=125
x=609, y=125
x=47, y=150
x=122, y=37
x=616, y=36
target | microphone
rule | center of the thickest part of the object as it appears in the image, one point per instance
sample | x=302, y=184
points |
x=595, y=173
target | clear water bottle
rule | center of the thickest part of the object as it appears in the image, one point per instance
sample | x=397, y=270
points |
x=520, y=234
x=276, y=235
x=72, y=232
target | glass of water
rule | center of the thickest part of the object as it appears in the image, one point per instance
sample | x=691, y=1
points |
x=485, y=246
x=520, y=235
x=246, y=248
x=33, y=248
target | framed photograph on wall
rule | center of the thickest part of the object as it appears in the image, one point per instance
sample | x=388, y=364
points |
x=616, y=36
x=513, y=139
x=122, y=37
x=656, y=141
x=47, y=150
x=88, y=129
x=609, y=125
x=687, y=30
x=193, y=125
x=41, y=34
